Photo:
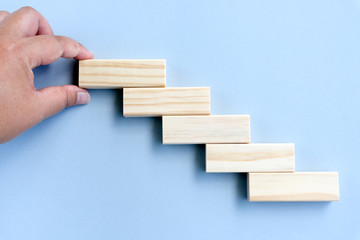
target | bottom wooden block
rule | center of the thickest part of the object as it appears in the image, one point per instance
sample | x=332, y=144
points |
x=299, y=186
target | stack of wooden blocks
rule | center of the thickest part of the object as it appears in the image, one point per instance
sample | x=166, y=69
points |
x=186, y=119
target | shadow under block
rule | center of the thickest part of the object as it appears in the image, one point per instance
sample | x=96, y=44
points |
x=299, y=186
x=120, y=73
x=206, y=129
x=153, y=102
x=250, y=157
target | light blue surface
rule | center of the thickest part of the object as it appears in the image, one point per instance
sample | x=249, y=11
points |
x=89, y=173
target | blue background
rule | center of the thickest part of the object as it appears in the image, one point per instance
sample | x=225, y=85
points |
x=89, y=173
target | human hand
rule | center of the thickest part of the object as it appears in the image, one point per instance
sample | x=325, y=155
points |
x=27, y=41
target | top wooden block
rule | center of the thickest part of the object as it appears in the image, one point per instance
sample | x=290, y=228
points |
x=120, y=73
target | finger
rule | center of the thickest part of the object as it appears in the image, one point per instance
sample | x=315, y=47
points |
x=43, y=50
x=3, y=15
x=52, y=100
x=25, y=22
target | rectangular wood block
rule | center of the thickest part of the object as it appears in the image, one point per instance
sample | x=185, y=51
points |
x=250, y=157
x=299, y=186
x=206, y=129
x=154, y=102
x=120, y=73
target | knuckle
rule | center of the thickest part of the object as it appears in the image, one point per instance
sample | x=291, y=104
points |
x=76, y=47
x=69, y=45
x=10, y=47
x=72, y=44
x=28, y=9
x=58, y=44
x=12, y=51
x=66, y=96
x=4, y=13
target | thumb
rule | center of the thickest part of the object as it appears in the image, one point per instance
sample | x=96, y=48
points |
x=54, y=99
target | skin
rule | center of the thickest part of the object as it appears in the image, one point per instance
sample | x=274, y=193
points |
x=27, y=41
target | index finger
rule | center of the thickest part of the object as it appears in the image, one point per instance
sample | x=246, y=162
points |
x=25, y=22
x=43, y=50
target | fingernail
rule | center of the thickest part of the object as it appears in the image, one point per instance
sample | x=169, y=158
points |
x=82, y=98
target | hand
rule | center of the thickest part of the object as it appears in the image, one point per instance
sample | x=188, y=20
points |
x=27, y=41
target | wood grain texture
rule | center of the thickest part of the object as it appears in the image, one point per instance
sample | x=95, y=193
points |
x=152, y=102
x=299, y=186
x=206, y=129
x=250, y=157
x=120, y=73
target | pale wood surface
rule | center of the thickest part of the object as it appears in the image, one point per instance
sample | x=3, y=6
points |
x=250, y=157
x=154, y=102
x=299, y=186
x=119, y=73
x=206, y=129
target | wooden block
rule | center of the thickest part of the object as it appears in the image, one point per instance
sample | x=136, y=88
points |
x=250, y=157
x=299, y=186
x=154, y=102
x=119, y=73
x=206, y=129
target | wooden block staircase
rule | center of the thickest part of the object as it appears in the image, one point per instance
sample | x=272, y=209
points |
x=186, y=120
